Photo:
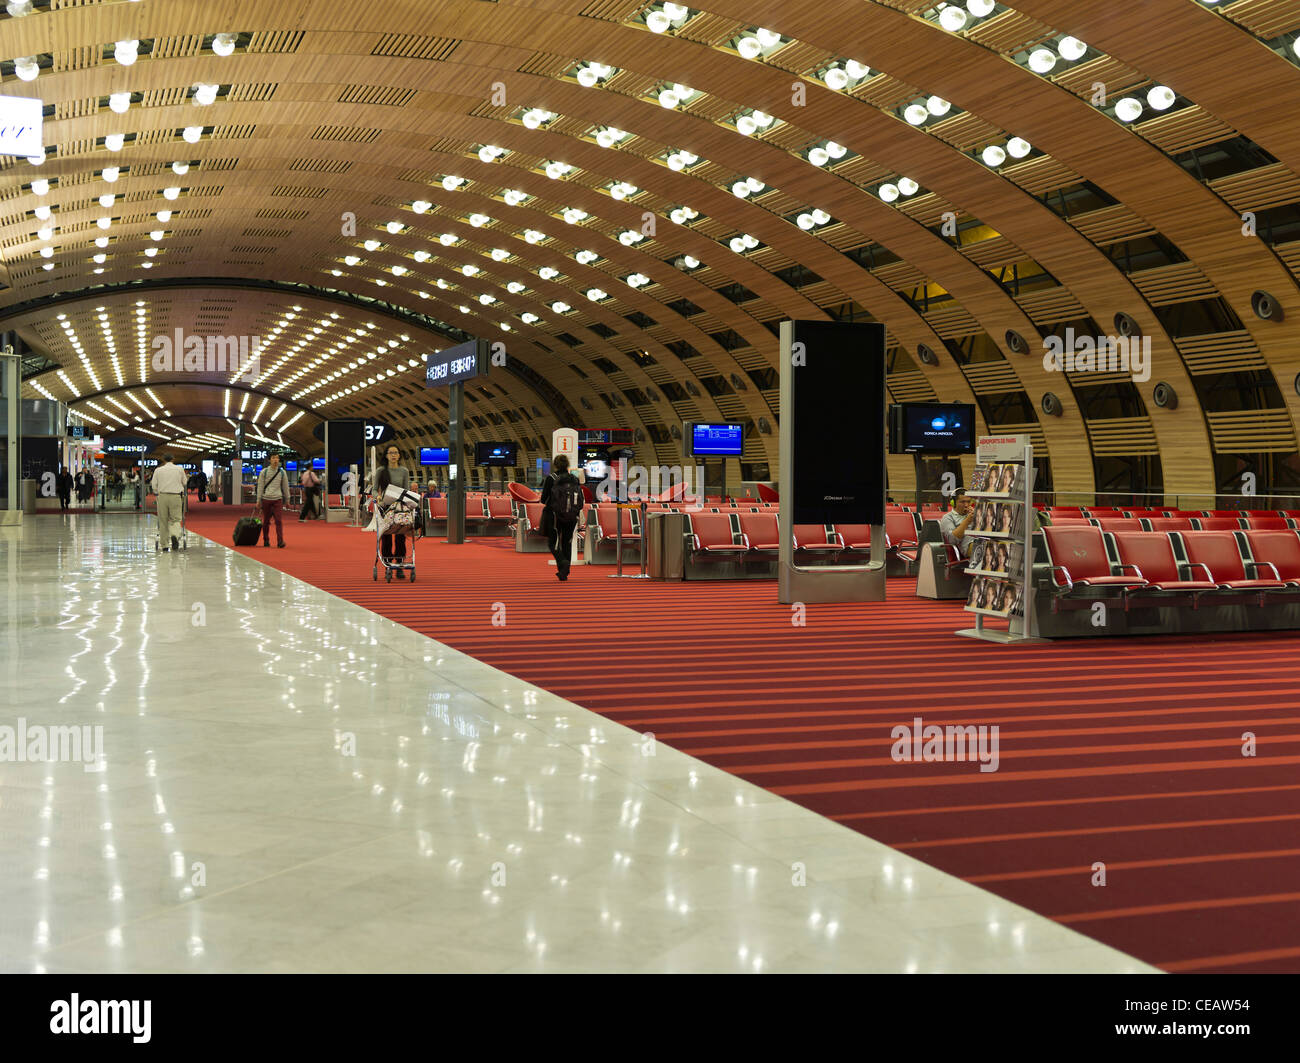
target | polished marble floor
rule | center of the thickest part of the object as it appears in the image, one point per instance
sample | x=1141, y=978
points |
x=290, y=783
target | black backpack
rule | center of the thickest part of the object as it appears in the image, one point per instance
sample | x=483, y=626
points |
x=567, y=498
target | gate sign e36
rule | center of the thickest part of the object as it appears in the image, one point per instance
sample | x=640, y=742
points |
x=21, y=130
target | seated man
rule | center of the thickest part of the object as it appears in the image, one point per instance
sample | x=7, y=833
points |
x=954, y=523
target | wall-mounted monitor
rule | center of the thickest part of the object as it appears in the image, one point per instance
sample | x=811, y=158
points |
x=318, y=464
x=497, y=455
x=291, y=466
x=932, y=428
x=435, y=455
x=714, y=440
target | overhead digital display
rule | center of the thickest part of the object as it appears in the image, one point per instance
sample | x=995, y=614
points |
x=453, y=365
x=717, y=440
x=497, y=455
x=435, y=456
x=943, y=428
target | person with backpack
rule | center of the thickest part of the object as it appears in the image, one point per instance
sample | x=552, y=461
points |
x=562, y=501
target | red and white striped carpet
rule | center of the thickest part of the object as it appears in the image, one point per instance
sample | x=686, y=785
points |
x=1126, y=753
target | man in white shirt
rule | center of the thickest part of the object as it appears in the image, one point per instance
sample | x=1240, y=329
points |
x=272, y=493
x=169, y=485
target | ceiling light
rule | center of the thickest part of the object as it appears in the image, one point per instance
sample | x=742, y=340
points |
x=740, y=189
x=586, y=257
x=99, y=259
x=1071, y=48
x=171, y=193
x=993, y=155
x=804, y=221
x=192, y=134
x=749, y=48
x=486, y=299
x=500, y=254
x=27, y=67
x=479, y=220
x=36, y=160
x=514, y=197
x=836, y=78
x=223, y=43
x=746, y=126
x=560, y=307
x=528, y=318
x=470, y=270
x=1128, y=109
x=447, y=239
x=41, y=186
x=768, y=38
x=819, y=216
x=835, y=151
x=151, y=251
x=980, y=8
x=114, y=141
x=451, y=183
x=126, y=52
x=372, y=245
x=534, y=236
x=119, y=102
x=180, y=169
x=421, y=205
x=658, y=22
x=164, y=216
x=1018, y=147
x=157, y=234
x=398, y=271
x=111, y=173
x=907, y=186
x=1041, y=60
x=937, y=106
x=101, y=241
x=889, y=193
x=677, y=12
x=548, y=273
x=952, y=19
x=205, y=94
x=669, y=99
x=534, y=118
x=45, y=232
x=1162, y=97
x=916, y=114
x=421, y=256
x=819, y=157
x=514, y=287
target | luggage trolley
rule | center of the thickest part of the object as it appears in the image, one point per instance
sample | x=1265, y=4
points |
x=395, y=514
x=158, y=528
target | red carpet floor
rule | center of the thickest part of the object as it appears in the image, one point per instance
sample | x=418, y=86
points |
x=1122, y=752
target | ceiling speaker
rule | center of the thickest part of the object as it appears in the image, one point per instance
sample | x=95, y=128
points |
x=764, y=427
x=1016, y=342
x=1266, y=307
x=1126, y=325
x=927, y=356
x=1164, y=396
x=1051, y=405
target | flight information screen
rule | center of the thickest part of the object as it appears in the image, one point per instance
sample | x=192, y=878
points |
x=452, y=365
x=717, y=440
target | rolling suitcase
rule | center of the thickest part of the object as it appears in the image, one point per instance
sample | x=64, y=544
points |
x=247, y=531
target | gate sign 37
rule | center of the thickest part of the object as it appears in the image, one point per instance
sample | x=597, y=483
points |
x=378, y=432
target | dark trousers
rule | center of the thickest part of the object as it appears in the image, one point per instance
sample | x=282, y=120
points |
x=271, y=509
x=308, y=504
x=561, y=543
x=386, y=546
x=64, y=498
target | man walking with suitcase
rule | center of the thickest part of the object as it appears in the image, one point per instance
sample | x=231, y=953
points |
x=272, y=491
x=169, y=486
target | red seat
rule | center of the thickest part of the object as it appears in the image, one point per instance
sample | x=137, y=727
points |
x=1150, y=555
x=1070, y=522
x=522, y=492
x=1168, y=524
x=1225, y=513
x=1186, y=513
x=608, y=519
x=856, y=536
x=1220, y=554
x=1145, y=512
x=1218, y=523
x=714, y=534
x=1079, y=555
x=1110, y=524
x=767, y=494
x=1278, y=551
x=1269, y=523
x=501, y=507
x=760, y=529
x=1261, y=513
x=1106, y=512
x=817, y=537
x=1065, y=511
x=438, y=508
x=532, y=518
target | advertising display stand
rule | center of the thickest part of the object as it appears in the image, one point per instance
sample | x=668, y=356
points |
x=1002, y=524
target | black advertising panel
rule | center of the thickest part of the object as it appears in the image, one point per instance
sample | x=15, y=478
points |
x=347, y=447
x=454, y=364
x=839, y=422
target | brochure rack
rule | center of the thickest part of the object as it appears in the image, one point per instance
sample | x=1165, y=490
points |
x=1002, y=559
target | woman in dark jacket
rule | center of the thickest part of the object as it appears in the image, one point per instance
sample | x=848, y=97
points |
x=392, y=473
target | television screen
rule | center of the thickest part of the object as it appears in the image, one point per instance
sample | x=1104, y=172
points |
x=435, y=455
x=942, y=428
x=717, y=440
x=291, y=466
x=593, y=460
x=318, y=464
x=497, y=455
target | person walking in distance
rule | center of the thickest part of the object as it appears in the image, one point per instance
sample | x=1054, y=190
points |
x=310, y=484
x=562, y=500
x=63, y=484
x=272, y=490
x=390, y=474
x=169, y=485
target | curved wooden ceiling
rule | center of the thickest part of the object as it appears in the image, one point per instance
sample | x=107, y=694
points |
x=327, y=112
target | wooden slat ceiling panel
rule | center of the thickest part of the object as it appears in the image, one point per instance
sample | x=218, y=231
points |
x=966, y=132
x=1290, y=254
x=900, y=276
x=1259, y=189
x=885, y=92
x=1114, y=75
x=1181, y=282
x=995, y=253
x=1037, y=439
x=992, y=378
x=1041, y=175
x=910, y=387
x=1220, y=352
x=1192, y=127
x=1009, y=32
x=1266, y=19
x=953, y=323
x=1111, y=225
x=927, y=209
x=1251, y=431
x=1051, y=306
x=1122, y=436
